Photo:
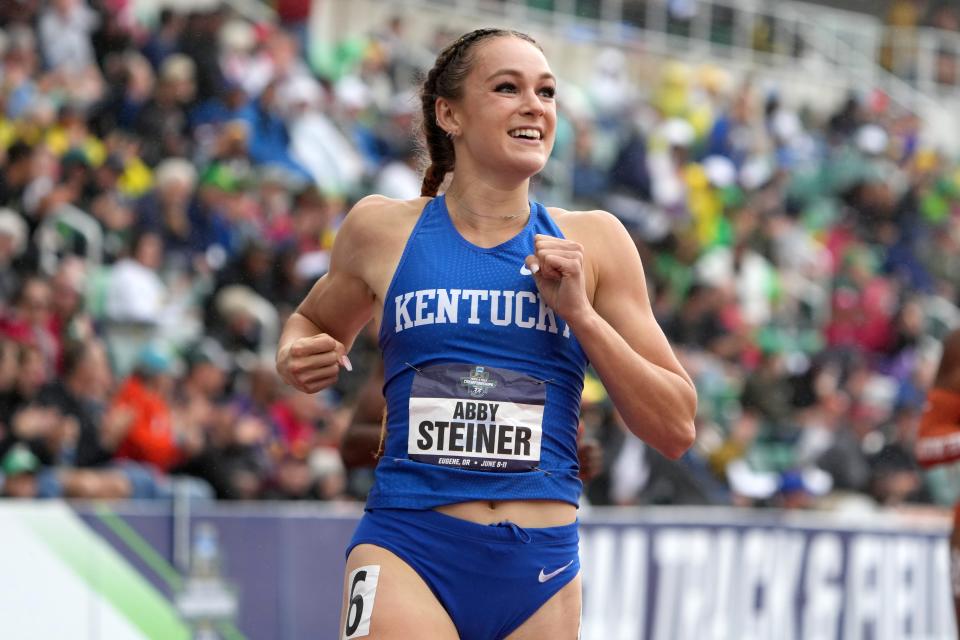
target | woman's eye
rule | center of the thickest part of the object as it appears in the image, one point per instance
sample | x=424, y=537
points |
x=509, y=87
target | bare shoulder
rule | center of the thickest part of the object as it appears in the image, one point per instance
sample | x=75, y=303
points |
x=608, y=248
x=372, y=237
x=375, y=219
x=595, y=229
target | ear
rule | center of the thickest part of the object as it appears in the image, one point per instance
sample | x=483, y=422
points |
x=447, y=116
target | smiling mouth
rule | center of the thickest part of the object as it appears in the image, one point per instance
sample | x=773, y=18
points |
x=526, y=134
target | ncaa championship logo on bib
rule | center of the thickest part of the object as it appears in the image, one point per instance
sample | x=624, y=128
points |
x=476, y=417
x=479, y=382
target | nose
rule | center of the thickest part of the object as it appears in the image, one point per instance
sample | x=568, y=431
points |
x=532, y=104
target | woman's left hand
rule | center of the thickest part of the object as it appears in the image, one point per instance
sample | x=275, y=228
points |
x=557, y=268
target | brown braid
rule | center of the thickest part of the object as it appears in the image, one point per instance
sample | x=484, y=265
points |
x=445, y=80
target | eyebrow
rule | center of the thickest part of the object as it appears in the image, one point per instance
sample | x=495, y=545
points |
x=513, y=72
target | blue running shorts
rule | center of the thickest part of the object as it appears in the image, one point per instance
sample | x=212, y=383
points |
x=489, y=578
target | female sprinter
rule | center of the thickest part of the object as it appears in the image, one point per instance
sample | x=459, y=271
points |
x=489, y=308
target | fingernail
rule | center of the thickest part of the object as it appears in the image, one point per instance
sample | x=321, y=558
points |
x=535, y=268
x=345, y=362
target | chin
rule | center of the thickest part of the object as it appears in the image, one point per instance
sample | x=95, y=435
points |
x=530, y=166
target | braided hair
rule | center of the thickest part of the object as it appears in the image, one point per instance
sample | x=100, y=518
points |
x=445, y=80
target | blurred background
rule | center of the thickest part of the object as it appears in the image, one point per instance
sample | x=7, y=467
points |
x=172, y=177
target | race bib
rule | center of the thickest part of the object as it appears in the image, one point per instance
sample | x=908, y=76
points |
x=476, y=417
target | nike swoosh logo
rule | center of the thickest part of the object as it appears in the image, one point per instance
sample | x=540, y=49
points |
x=524, y=271
x=553, y=574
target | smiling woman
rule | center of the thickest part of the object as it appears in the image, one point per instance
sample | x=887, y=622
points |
x=489, y=307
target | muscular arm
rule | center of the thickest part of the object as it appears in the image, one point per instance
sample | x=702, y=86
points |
x=324, y=326
x=938, y=437
x=628, y=349
x=340, y=302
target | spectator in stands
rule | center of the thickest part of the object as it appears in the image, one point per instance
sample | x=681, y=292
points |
x=240, y=435
x=20, y=70
x=81, y=394
x=165, y=41
x=399, y=178
x=291, y=479
x=136, y=293
x=697, y=323
x=152, y=435
x=130, y=90
x=186, y=224
x=30, y=321
x=734, y=133
x=205, y=380
x=163, y=119
x=251, y=429
x=629, y=171
x=13, y=242
x=269, y=142
x=750, y=277
x=895, y=474
x=197, y=42
x=23, y=419
x=298, y=418
x=316, y=143
x=65, y=29
x=768, y=392
x=15, y=176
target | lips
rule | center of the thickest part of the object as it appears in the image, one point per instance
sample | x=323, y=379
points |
x=526, y=133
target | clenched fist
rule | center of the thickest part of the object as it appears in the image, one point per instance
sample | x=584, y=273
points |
x=557, y=267
x=312, y=363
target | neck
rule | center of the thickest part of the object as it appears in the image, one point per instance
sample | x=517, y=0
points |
x=485, y=208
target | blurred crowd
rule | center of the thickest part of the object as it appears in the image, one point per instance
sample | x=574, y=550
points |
x=805, y=266
x=912, y=14
x=902, y=47
x=170, y=189
x=157, y=225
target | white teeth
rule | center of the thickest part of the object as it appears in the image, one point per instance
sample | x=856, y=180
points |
x=525, y=133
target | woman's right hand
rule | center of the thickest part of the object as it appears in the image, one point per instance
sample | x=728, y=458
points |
x=312, y=363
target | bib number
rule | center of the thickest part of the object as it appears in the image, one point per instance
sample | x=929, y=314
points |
x=363, y=591
x=475, y=417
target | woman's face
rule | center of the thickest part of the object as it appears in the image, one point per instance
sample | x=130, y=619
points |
x=507, y=116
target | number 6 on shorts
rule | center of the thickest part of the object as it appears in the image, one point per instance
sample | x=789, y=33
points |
x=363, y=589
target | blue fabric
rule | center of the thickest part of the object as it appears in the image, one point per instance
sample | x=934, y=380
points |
x=214, y=112
x=207, y=227
x=269, y=139
x=487, y=577
x=21, y=99
x=499, y=323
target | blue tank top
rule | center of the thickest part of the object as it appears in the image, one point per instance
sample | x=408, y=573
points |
x=482, y=380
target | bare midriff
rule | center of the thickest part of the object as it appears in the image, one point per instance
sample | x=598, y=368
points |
x=525, y=513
